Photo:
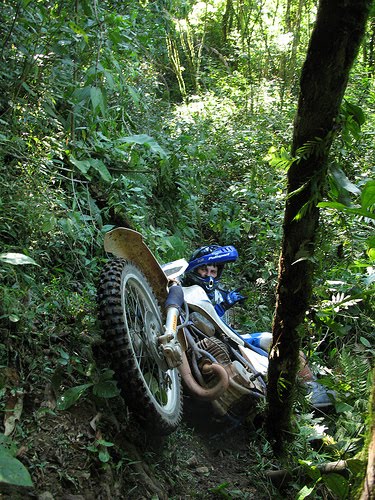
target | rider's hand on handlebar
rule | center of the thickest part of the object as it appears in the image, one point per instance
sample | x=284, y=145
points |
x=234, y=297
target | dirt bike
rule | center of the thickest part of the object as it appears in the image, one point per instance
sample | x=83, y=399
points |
x=162, y=339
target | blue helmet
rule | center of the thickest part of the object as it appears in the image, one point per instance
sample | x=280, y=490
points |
x=206, y=256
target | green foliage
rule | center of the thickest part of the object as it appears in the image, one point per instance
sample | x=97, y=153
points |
x=12, y=471
x=336, y=484
x=174, y=119
x=103, y=386
x=224, y=490
x=100, y=448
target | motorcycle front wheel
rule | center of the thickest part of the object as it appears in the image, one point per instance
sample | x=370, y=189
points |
x=131, y=322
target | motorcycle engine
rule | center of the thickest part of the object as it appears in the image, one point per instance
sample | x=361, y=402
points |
x=239, y=395
x=216, y=348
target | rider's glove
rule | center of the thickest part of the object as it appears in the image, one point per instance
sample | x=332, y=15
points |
x=234, y=297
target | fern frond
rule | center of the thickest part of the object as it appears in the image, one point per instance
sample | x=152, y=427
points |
x=316, y=146
x=356, y=370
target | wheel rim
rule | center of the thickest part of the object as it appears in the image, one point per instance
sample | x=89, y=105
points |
x=143, y=323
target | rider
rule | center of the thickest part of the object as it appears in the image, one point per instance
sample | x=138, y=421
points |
x=205, y=268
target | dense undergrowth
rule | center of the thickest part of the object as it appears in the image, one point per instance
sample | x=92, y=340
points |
x=99, y=128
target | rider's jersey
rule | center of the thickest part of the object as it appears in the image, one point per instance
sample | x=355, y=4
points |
x=218, y=299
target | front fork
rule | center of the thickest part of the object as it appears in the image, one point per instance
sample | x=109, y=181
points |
x=169, y=341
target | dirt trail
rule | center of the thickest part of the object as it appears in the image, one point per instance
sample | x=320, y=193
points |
x=203, y=459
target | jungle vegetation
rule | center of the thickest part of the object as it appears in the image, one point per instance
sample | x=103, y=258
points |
x=177, y=119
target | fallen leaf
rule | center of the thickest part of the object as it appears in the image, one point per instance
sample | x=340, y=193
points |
x=13, y=411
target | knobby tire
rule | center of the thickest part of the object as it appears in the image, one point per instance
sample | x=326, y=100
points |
x=131, y=320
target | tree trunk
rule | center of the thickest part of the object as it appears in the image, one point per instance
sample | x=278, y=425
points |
x=333, y=47
x=368, y=490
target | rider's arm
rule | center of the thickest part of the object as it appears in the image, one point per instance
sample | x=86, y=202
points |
x=218, y=301
x=220, y=309
x=225, y=300
x=229, y=299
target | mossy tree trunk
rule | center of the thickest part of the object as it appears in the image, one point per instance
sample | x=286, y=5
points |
x=368, y=488
x=333, y=47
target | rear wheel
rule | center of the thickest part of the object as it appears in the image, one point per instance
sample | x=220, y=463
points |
x=131, y=322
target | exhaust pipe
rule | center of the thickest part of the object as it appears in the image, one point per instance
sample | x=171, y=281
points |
x=207, y=394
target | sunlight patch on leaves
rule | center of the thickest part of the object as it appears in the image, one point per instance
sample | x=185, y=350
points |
x=17, y=259
x=144, y=139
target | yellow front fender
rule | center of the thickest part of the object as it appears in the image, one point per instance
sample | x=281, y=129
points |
x=129, y=245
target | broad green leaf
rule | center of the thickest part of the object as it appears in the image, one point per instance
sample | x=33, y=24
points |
x=82, y=165
x=28, y=89
x=145, y=139
x=355, y=465
x=221, y=487
x=99, y=166
x=365, y=342
x=356, y=112
x=106, y=389
x=343, y=182
x=82, y=94
x=304, y=492
x=152, y=383
x=332, y=204
x=12, y=471
x=109, y=79
x=64, y=354
x=368, y=195
x=87, y=7
x=7, y=445
x=85, y=165
x=49, y=110
x=103, y=442
x=71, y=396
x=342, y=407
x=104, y=456
x=97, y=100
x=48, y=224
x=338, y=484
x=155, y=388
x=17, y=259
x=371, y=241
x=106, y=228
x=134, y=95
x=103, y=137
x=107, y=374
x=312, y=470
x=343, y=208
x=115, y=36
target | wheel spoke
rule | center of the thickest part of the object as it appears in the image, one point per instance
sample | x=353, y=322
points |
x=144, y=342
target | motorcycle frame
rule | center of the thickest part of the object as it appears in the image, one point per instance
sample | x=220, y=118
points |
x=129, y=245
